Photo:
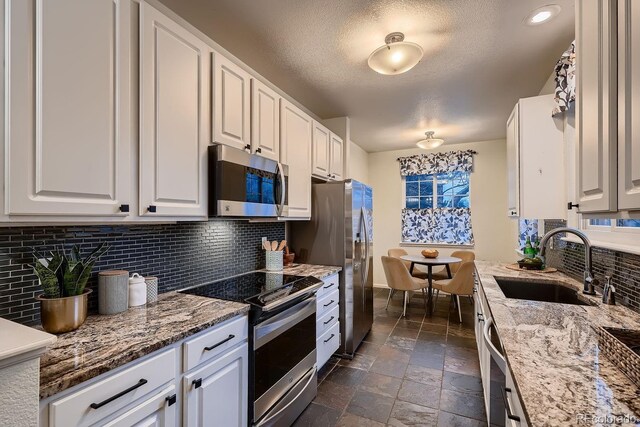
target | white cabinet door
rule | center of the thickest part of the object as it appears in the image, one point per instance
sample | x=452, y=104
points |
x=157, y=411
x=336, y=158
x=295, y=151
x=217, y=394
x=174, y=88
x=231, y=108
x=68, y=91
x=596, y=109
x=513, y=164
x=628, y=104
x=265, y=121
x=320, y=153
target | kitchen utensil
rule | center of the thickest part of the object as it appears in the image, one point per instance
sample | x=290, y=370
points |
x=152, y=288
x=137, y=290
x=274, y=245
x=266, y=245
x=274, y=260
x=282, y=245
x=113, y=291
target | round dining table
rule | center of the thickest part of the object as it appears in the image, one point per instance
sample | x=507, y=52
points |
x=430, y=263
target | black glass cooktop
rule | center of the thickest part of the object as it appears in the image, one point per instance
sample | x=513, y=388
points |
x=259, y=288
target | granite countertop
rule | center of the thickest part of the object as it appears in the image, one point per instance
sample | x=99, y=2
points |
x=317, y=271
x=106, y=342
x=554, y=356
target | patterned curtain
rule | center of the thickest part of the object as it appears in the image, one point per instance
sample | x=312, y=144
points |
x=437, y=225
x=565, y=80
x=434, y=163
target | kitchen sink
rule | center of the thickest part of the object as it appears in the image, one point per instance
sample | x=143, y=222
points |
x=547, y=291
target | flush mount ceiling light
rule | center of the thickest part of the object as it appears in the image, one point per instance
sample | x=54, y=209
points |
x=396, y=56
x=542, y=14
x=429, y=142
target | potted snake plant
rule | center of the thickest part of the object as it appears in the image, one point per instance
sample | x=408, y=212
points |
x=63, y=277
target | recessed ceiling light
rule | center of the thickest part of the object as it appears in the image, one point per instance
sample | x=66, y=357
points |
x=396, y=56
x=429, y=142
x=542, y=14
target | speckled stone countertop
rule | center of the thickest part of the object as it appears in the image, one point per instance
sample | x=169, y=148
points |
x=554, y=357
x=107, y=342
x=317, y=271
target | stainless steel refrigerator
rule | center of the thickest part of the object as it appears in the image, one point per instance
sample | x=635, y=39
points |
x=341, y=233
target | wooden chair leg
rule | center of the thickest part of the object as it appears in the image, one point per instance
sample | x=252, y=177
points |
x=459, y=311
x=389, y=298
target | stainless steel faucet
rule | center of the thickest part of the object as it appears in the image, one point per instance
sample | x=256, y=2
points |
x=590, y=282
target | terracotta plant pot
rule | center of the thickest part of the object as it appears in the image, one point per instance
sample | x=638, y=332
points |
x=66, y=314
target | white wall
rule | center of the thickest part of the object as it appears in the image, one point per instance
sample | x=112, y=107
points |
x=358, y=163
x=495, y=234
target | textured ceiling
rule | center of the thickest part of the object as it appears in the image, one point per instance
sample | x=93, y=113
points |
x=479, y=59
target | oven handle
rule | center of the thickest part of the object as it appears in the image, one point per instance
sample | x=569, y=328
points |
x=276, y=325
x=283, y=191
x=312, y=376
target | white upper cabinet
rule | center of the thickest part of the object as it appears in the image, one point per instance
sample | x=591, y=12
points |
x=232, y=104
x=320, y=152
x=535, y=154
x=67, y=125
x=629, y=104
x=295, y=151
x=265, y=121
x=596, y=105
x=174, y=94
x=336, y=158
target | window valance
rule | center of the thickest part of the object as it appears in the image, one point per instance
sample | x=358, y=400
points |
x=435, y=163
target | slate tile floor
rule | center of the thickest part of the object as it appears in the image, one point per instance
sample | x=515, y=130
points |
x=413, y=371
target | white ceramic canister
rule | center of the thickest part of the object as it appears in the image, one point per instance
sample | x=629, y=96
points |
x=137, y=290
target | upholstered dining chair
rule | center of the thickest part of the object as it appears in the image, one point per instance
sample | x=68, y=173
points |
x=460, y=285
x=465, y=256
x=397, y=253
x=399, y=279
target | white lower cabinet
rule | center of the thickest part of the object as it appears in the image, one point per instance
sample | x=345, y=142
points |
x=155, y=392
x=327, y=319
x=158, y=410
x=216, y=395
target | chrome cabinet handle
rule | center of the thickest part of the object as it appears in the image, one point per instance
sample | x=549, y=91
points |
x=118, y=395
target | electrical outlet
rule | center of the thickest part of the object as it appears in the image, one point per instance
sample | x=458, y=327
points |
x=264, y=239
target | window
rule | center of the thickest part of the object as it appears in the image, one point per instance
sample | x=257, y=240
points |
x=620, y=225
x=617, y=234
x=445, y=190
x=436, y=209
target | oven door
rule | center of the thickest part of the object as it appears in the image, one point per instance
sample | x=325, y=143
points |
x=284, y=353
x=246, y=185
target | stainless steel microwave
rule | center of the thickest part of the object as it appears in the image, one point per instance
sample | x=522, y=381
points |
x=242, y=184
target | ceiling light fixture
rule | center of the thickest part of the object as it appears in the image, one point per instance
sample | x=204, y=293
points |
x=542, y=14
x=429, y=142
x=396, y=56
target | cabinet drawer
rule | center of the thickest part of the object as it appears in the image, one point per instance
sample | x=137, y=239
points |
x=327, y=303
x=215, y=341
x=331, y=283
x=114, y=392
x=327, y=321
x=158, y=410
x=327, y=344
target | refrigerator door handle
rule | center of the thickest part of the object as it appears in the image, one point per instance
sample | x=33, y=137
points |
x=365, y=273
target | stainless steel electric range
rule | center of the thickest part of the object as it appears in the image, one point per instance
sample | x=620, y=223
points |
x=282, y=358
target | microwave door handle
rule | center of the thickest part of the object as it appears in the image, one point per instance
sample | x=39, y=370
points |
x=283, y=188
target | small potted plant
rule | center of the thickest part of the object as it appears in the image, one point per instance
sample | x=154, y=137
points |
x=63, y=305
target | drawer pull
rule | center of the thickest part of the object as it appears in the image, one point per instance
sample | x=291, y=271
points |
x=328, y=286
x=197, y=383
x=116, y=396
x=328, y=321
x=211, y=347
x=329, y=339
x=329, y=303
x=171, y=399
x=510, y=414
